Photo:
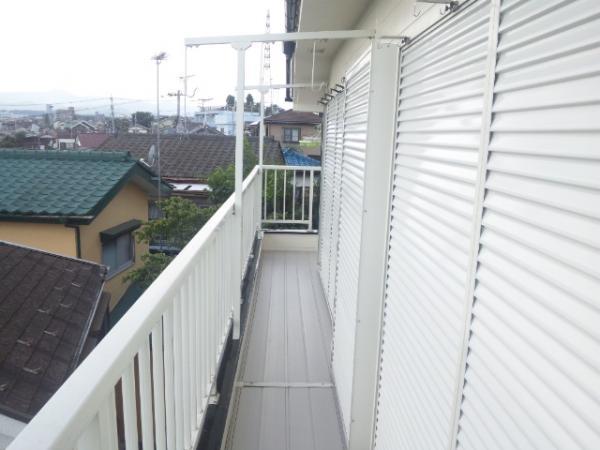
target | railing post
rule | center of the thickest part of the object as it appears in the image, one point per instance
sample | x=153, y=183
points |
x=310, y=200
x=239, y=174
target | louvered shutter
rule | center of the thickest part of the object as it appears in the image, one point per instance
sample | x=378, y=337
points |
x=327, y=201
x=441, y=98
x=353, y=142
x=533, y=373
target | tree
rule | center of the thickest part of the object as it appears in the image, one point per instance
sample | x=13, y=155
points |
x=181, y=219
x=222, y=180
x=122, y=124
x=143, y=118
x=16, y=140
x=230, y=102
x=249, y=103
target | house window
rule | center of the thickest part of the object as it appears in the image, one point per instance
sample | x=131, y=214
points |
x=291, y=135
x=118, y=254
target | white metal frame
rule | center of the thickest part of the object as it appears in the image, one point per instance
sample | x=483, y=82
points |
x=373, y=250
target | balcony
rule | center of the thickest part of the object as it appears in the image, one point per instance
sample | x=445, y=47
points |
x=150, y=382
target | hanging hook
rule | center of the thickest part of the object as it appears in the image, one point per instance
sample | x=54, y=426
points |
x=415, y=12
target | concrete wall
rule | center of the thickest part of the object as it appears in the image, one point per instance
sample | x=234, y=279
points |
x=387, y=17
x=51, y=237
x=130, y=203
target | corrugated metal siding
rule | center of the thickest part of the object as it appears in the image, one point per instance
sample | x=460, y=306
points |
x=350, y=225
x=441, y=100
x=330, y=194
x=533, y=373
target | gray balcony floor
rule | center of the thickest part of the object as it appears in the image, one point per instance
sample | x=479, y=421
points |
x=284, y=397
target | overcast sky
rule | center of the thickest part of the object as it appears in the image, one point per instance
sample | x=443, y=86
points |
x=95, y=49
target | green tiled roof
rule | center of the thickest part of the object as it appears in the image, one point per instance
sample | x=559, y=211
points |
x=61, y=184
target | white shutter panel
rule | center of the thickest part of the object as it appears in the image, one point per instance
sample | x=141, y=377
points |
x=350, y=224
x=330, y=198
x=533, y=373
x=441, y=98
x=326, y=202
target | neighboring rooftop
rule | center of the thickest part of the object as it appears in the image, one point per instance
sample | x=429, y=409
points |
x=47, y=305
x=292, y=117
x=91, y=140
x=65, y=185
x=190, y=156
x=295, y=158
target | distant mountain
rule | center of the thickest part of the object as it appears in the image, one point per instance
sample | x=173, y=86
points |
x=28, y=103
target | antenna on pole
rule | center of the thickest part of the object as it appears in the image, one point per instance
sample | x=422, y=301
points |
x=266, y=67
x=112, y=114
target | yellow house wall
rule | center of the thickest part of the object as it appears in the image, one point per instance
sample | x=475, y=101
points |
x=130, y=203
x=50, y=237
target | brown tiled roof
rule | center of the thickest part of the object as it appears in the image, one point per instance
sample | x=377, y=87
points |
x=47, y=303
x=294, y=117
x=92, y=140
x=190, y=156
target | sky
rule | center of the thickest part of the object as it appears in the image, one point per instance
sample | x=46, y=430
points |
x=97, y=49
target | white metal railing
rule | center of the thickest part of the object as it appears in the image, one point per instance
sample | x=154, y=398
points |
x=290, y=196
x=153, y=374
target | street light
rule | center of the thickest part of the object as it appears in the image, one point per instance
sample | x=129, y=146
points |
x=158, y=58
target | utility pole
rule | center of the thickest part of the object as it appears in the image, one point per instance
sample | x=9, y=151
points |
x=177, y=94
x=158, y=58
x=112, y=114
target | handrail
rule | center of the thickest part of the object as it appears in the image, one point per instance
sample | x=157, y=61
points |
x=184, y=294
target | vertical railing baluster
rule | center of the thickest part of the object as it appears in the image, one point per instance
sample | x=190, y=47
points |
x=191, y=327
x=145, y=396
x=274, y=194
x=284, y=190
x=159, y=387
x=107, y=420
x=294, y=196
x=310, y=200
x=185, y=366
x=177, y=371
x=169, y=377
x=197, y=346
x=129, y=408
x=303, y=190
x=265, y=179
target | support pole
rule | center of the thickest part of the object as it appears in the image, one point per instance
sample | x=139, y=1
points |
x=261, y=130
x=185, y=91
x=239, y=174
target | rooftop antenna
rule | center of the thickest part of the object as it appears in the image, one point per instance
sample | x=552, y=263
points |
x=202, y=102
x=266, y=68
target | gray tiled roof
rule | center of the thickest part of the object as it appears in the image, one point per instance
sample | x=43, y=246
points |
x=190, y=156
x=47, y=303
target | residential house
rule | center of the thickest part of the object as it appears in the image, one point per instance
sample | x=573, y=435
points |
x=450, y=297
x=138, y=129
x=79, y=204
x=223, y=119
x=291, y=127
x=188, y=160
x=53, y=314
